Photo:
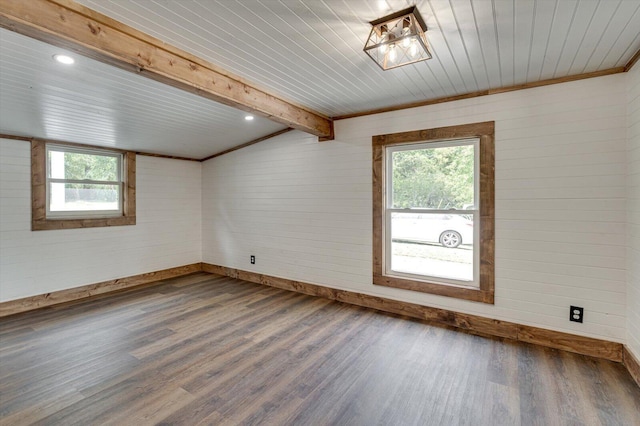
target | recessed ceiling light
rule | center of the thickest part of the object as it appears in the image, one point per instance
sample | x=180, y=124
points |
x=248, y=117
x=64, y=59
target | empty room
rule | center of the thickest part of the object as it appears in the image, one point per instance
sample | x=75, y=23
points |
x=320, y=212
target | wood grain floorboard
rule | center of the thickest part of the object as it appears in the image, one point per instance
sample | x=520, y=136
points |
x=205, y=349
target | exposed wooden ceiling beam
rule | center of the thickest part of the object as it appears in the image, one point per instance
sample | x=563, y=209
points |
x=72, y=26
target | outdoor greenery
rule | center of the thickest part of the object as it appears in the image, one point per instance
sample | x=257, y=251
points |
x=433, y=178
x=79, y=166
x=92, y=167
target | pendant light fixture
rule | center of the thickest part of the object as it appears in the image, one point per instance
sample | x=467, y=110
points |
x=398, y=39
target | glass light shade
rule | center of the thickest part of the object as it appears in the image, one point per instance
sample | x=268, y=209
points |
x=398, y=39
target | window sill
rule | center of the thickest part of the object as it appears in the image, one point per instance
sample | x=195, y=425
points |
x=464, y=293
x=50, y=224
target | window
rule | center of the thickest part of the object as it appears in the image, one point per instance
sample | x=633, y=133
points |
x=78, y=187
x=434, y=211
x=83, y=182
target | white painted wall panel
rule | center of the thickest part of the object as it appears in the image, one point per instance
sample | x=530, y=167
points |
x=303, y=208
x=167, y=232
x=633, y=228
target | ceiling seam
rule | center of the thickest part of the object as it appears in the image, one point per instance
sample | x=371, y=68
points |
x=61, y=142
x=246, y=144
x=524, y=86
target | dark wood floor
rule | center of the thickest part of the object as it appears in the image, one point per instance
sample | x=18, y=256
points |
x=205, y=349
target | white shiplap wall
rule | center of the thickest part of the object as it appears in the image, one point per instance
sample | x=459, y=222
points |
x=304, y=208
x=167, y=232
x=633, y=231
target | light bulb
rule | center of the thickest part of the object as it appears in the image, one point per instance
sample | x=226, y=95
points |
x=406, y=31
x=406, y=42
x=414, y=49
x=392, y=53
x=383, y=47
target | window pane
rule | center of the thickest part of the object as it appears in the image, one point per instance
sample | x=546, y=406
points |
x=433, y=178
x=82, y=197
x=435, y=245
x=72, y=165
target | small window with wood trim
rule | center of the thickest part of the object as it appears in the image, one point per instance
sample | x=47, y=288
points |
x=77, y=186
x=433, y=211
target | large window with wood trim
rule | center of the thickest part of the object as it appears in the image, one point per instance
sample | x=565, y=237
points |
x=433, y=211
x=76, y=186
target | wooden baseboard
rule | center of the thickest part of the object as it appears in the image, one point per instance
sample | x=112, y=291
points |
x=34, y=302
x=471, y=323
x=632, y=364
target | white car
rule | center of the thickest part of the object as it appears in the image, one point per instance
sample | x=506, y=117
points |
x=450, y=230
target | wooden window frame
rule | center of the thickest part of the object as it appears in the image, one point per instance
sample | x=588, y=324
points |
x=39, y=219
x=485, y=132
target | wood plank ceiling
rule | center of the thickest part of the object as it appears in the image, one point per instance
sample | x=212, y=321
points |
x=309, y=52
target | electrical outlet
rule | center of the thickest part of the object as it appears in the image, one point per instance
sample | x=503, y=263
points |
x=253, y=261
x=576, y=314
